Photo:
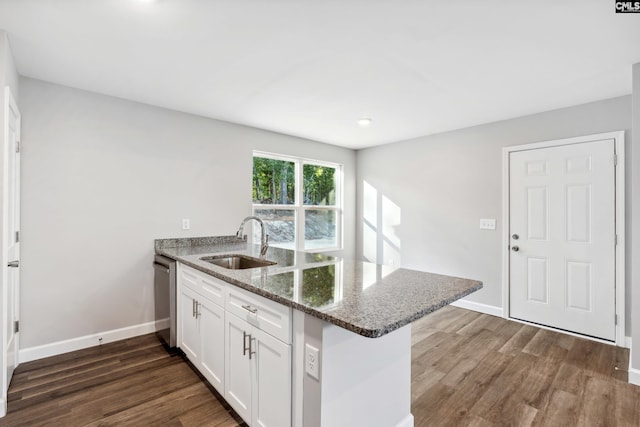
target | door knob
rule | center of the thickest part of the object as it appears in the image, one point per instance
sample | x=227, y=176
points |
x=13, y=264
x=515, y=237
x=515, y=248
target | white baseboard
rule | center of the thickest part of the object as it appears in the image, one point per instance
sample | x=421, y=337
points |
x=73, y=344
x=3, y=407
x=634, y=376
x=406, y=422
x=476, y=306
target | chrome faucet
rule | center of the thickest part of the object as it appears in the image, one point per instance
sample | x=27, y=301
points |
x=264, y=238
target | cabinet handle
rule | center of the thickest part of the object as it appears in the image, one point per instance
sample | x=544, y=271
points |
x=193, y=307
x=251, y=347
x=198, y=313
x=250, y=309
x=244, y=344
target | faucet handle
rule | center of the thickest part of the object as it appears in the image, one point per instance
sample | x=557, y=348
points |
x=264, y=247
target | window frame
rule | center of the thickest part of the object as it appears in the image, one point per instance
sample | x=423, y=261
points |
x=298, y=207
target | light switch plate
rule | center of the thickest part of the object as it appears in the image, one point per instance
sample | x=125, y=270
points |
x=186, y=224
x=311, y=362
x=487, y=224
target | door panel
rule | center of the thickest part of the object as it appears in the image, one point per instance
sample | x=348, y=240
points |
x=579, y=285
x=537, y=280
x=579, y=213
x=189, y=328
x=212, y=344
x=237, y=366
x=272, y=388
x=562, y=209
x=537, y=213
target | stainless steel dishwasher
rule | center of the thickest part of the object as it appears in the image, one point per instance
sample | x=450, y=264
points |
x=165, y=297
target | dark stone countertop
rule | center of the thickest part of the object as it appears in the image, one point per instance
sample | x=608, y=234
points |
x=368, y=299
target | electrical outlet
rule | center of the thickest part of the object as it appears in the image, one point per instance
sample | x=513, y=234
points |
x=186, y=224
x=311, y=362
x=487, y=224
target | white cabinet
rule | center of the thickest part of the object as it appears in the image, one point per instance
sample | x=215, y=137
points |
x=265, y=314
x=258, y=374
x=189, y=340
x=240, y=342
x=238, y=367
x=258, y=358
x=201, y=328
x=271, y=392
x=212, y=350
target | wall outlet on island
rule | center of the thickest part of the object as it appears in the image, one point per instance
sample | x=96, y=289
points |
x=186, y=224
x=311, y=362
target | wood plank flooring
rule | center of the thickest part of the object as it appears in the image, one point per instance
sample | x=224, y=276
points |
x=131, y=382
x=468, y=369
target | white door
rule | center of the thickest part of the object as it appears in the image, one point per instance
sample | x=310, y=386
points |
x=11, y=240
x=211, y=318
x=188, y=324
x=562, y=237
x=271, y=397
x=237, y=373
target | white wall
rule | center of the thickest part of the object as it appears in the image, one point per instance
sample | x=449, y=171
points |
x=430, y=193
x=104, y=177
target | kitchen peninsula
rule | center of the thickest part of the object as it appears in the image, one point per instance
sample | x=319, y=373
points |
x=339, y=330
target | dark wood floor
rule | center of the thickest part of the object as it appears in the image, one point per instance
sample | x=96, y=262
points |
x=468, y=369
x=131, y=382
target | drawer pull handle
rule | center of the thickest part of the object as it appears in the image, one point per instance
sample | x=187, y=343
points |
x=250, y=309
x=244, y=344
x=251, y=347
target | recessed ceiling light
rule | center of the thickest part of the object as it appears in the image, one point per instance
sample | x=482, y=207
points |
x=364, y=121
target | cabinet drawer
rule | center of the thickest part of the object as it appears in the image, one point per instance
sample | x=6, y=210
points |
x=267, y=315
x=209, y=287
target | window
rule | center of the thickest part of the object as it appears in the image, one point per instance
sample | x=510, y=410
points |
x=299, y=201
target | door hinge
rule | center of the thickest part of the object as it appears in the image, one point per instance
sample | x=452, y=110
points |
x=17, y=236
x=616, y=240
x=615, y=160
x=17, y=146
x=16, y=326
x=616, y=319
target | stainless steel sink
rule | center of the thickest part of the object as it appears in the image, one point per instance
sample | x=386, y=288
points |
x=237, y=262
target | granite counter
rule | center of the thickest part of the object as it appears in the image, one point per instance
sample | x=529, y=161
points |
x=369, y=299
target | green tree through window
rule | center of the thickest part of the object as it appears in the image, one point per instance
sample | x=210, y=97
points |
x=298, y=200
x=273, y=181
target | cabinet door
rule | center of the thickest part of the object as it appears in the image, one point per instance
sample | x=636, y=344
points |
x=211, y=318
x=271, y=397
x=237, y=366
x=189, y=340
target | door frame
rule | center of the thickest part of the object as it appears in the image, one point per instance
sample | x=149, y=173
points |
x=620, y=285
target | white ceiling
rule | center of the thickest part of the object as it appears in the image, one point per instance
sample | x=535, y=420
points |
x=311, y=69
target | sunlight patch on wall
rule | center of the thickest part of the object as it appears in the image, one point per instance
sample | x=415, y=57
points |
x=382, y=218
x=369, y=243
x=391, y=219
